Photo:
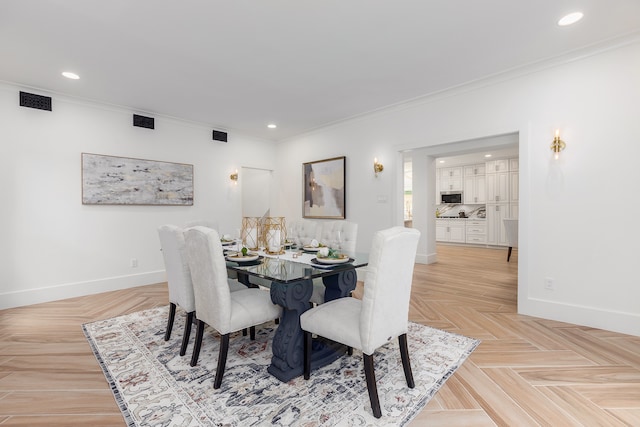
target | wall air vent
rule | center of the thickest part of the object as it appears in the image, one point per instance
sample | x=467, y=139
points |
x=32, y=100
x=218, y=135
x=143, y=121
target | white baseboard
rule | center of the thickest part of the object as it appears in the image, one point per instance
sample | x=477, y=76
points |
x=72, y=290
x=426, y=258
x=624, y=323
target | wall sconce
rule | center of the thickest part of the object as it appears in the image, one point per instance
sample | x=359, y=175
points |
x=377, y=167
x=557, y=145
x=234, y=177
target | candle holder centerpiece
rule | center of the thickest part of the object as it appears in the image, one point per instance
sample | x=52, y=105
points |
x=250, y=232
x=274, y=234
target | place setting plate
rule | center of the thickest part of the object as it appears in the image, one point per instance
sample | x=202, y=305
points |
x=240, y=259
x=326, y=262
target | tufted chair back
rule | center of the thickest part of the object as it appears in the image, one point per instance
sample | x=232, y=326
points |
x=209, y=276
x=387, y=289
x=302, y=231
x=202, y=222
x=174, y=253
x=329, y=235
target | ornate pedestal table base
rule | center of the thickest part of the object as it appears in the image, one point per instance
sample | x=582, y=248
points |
x=287, y=360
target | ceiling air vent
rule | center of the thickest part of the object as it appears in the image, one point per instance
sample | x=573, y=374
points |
x=32, y=100
x=218, y=135
x=143, y=121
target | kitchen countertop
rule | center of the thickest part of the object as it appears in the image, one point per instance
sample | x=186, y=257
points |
x=458, y=218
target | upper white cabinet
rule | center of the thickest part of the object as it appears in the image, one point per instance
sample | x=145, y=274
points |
x=494, y=166
x=475, y=189
x=514, y=164
x=451, y=179
x=498, y=187
x=474, y=170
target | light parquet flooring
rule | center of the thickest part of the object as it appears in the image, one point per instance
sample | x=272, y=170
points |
x=526, y=372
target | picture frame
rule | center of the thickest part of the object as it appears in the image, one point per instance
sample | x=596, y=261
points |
x=324, y=188
x=112, y=180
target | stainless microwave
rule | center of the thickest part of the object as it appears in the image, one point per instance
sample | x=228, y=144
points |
x=451, y=197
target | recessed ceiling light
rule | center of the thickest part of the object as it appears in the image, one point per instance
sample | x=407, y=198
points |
x=487, y=155
x=569, y=19
x=70, y=75
x=441, y=161
x=272, y=126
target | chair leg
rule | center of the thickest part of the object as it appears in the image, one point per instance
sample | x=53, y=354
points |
x=509, y=253
x=244, y=332
x=371, y=385
x=187, y=333
x=172, y=315
x=350, y=351
x=308, y=340
x=198, y=343
x=406, y=363
x=252, y=333
x=222, y=360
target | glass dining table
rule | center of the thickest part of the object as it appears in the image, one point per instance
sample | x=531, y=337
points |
x=289, y=277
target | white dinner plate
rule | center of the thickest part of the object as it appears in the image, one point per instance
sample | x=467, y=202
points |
x=333, y=260
x=240, y=258
x=311, y=248
x=227, y=242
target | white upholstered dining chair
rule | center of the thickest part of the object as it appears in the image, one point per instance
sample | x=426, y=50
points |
x=302, y=231
x=335, y=234
x=216, y=306
x=178, y=279
x=174, y=253
x=511, y=233
x=202, y=222
x=380, y=316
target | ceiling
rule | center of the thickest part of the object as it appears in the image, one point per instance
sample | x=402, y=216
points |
x=239, y=65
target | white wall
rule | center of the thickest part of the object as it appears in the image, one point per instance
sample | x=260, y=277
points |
x=564, y=231
x=52, y=246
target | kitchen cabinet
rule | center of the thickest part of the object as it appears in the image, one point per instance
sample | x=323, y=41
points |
x=513, y=211
x=476, y=231
x=514, y=187
x=495, y=226
x=475, y=189
x=474, y=170
x=497, y=187
x=450, y=230
x=441, y=230
x=514, y=164
x=451, y=179
x=494, y=166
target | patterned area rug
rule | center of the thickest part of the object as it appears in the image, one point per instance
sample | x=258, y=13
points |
x=154, y=386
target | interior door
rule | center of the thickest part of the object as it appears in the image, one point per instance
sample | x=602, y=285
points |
x=256, y=192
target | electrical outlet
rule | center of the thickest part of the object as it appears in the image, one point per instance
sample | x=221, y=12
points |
x=550, y=283
x=134, y=262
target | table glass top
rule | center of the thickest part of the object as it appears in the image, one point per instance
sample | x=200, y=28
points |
x=294, y=265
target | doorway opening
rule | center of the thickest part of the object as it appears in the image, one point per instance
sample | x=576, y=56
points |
x=423, y=190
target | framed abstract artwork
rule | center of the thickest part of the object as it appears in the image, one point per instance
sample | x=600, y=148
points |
x=110, y=180
x=324, y=189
